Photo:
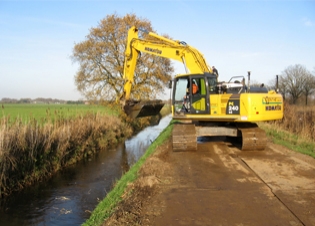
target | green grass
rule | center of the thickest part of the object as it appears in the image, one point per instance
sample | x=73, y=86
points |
x=105, y=208
x=289, y=140
x=44, y=112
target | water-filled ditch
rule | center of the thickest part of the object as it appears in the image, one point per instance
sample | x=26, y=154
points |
x=69, y=197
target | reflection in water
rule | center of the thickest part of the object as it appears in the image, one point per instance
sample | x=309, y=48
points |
x=135, y=148
x=69, y=197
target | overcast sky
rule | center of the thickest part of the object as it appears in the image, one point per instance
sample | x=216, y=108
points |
x=264, y=37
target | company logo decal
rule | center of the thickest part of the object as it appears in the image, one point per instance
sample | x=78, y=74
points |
x=273, y=108
x=157, y=51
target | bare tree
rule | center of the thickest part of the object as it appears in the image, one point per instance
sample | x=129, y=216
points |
x=309, y=86
x=294, y=79
x=101, y=60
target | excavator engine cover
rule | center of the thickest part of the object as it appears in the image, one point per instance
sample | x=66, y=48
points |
x=137, y=109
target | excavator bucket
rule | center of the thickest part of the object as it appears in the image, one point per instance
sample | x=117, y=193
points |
x=137, y=109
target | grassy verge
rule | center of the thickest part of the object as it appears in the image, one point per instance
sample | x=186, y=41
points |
x=289, y=140
x=105, y=208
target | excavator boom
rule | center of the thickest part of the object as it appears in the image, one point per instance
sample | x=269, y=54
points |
x=159, y=46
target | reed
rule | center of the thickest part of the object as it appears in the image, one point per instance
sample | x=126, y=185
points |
x=298, y=120
x=33, y=151
x=295, y=131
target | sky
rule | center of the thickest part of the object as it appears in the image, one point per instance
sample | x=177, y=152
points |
x=264, y=37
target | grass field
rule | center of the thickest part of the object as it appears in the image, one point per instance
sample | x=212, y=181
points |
x=44, y=112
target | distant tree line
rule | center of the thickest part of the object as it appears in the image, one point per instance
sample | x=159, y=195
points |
x=297, y=84
x=39, y=100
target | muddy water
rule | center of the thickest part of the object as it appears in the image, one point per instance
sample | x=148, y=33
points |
x=69, y=197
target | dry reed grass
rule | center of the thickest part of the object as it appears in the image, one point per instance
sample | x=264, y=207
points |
x=33, y=151
x=298, y=120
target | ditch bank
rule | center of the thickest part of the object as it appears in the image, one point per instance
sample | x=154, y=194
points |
x=120, y=190
x=69, y=197
x=33, y=152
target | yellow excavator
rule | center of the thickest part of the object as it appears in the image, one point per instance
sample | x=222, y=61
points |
x=202, y=105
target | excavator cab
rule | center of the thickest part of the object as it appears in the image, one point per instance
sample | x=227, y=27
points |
x=191, y=93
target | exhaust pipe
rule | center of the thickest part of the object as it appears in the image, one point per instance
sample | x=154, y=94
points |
x=248, y=85
x=277, y=84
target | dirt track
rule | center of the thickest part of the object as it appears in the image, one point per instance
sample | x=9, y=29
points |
x=221, y=185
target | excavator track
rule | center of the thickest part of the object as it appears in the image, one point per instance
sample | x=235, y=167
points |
x=253, y=138
x=184, y=137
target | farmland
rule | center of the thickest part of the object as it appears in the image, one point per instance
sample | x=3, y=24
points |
x=49, y=112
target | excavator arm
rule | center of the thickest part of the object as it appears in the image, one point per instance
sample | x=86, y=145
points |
x=192, y=59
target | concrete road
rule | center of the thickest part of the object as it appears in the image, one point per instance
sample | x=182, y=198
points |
x=221, y=185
